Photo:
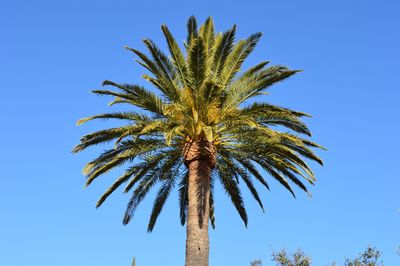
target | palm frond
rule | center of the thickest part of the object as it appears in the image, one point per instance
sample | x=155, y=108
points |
x=226, y=176
x=183, y=197
x=122, y=179
x=251, y=71
x=105, y=136
x=211, y=201
x=207, y=33
x=222, y=50
x=178, y=58
x=277, y=176
x=146, y=62
x=130, y=116
x=138, y=195
x=236, y=58
x=242, y=90
x=162, y=196
x=131, y=147
x=249, y=183
x=239, y=171
x=168, y=75
x=197, y=64
x=149, y=164
x=192, y=31
x=135, y=95
x=159, y=173
x=249, y=166
x=104, y=168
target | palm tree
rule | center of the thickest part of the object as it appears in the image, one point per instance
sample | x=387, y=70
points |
x=200, y=128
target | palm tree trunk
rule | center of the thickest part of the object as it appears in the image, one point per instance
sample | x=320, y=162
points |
x=200, y=160
x=197, y=243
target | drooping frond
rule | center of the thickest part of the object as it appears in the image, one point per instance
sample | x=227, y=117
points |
x=249, y=183
x=125, y=151
x=250, y=167
x=241, y=90
x=135, y=95
x=130, y=116
x=169, y=178
x=159, y=173
x=122, y=179
x=150, y=163
x=212, y=204
x=183, y=197
x=105, y=136
x=227, y=177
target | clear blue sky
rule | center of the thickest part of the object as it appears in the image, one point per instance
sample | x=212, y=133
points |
x=52, y=53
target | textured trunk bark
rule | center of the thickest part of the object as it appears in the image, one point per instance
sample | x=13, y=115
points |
x=200, y=160
x=197, y=243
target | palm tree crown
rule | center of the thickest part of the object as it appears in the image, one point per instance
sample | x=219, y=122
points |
x=202, y=100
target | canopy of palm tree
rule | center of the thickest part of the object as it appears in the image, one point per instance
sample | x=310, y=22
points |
x=203, y=98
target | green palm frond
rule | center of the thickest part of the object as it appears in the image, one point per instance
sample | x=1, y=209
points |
x=281, y=179
x=207, y=33
x=150, y=163
x=251, y=71
x=211, y=202
x=153, y=176
x=197, y=64
x=249, y=183
x=183, y=197
x=167, y=74
x=192, y=31
x=177, y=56
x=124, y=149
x=227, y=177
x=251, y=168
x=136, y=95
x=235, y=60
x=147, y=182
x=130, y=116
x=241, y=90
x=145, y=61
x=169, y=178
x=122, y=179
x=162, y=196
x=223, y=48
x=105, y=136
